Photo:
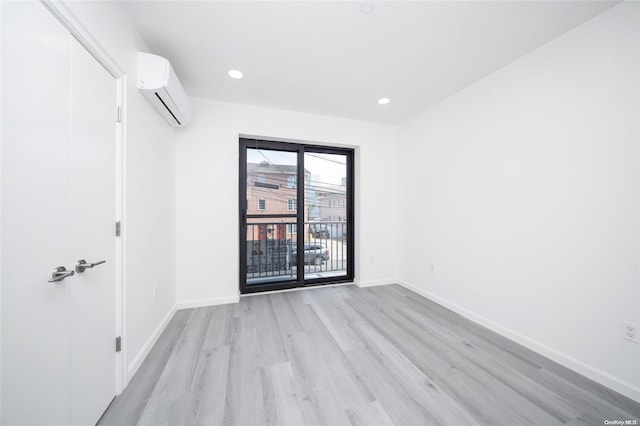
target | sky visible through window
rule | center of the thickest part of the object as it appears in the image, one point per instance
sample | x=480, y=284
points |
x=328, y=168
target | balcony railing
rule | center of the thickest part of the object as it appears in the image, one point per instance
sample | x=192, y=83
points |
x=272, y=250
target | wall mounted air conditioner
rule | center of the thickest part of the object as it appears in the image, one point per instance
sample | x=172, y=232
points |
x=159, y=84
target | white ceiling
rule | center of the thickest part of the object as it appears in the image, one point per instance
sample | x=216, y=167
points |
x=330, y=58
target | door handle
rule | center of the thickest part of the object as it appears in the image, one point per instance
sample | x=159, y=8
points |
x=60, y=273
x=82, y=265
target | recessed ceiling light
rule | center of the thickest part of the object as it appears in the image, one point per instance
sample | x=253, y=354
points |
x=235, y=74
x=384, y=101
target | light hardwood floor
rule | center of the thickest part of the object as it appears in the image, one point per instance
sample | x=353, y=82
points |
x=351, y=356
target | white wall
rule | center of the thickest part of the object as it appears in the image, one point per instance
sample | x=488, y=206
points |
x=207, y=192
x=149, y=221
x=527, y=188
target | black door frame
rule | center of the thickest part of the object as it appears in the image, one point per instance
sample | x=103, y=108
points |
x=300, y=149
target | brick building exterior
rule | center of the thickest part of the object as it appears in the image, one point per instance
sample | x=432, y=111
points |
x=272, y=189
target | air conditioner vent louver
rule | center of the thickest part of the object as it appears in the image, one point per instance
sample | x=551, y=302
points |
x=167, y=108
x=159, y=84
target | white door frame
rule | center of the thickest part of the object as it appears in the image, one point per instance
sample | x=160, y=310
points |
x=80, y=33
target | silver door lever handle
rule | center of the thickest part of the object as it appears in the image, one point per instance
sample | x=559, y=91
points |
x=60, y=273
x=82, y=265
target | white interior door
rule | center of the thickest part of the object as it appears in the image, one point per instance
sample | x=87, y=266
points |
x=58, y=206
x=92, y=211
x=36, y=70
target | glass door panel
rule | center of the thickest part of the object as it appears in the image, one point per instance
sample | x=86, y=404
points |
x=271, y=215
x=325, y=247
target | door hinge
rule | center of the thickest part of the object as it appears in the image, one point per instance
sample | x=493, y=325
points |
x=118, y=344
x=118, y=228
x=118, y=115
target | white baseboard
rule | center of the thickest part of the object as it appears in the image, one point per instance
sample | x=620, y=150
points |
x=146, y=348
x=199, y=303
x=375, y=283
x=593, y=373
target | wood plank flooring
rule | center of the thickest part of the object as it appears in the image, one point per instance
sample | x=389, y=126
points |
x=351, y=356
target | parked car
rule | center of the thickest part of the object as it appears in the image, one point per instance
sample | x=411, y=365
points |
x=319, y=230
x=315, y=254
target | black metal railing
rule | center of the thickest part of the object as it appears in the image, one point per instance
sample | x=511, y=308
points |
x=272, y=251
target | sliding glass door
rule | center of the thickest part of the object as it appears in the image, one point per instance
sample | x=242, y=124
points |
x=296, y=215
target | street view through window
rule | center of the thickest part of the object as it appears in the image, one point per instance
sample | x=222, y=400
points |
x=272, y=224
